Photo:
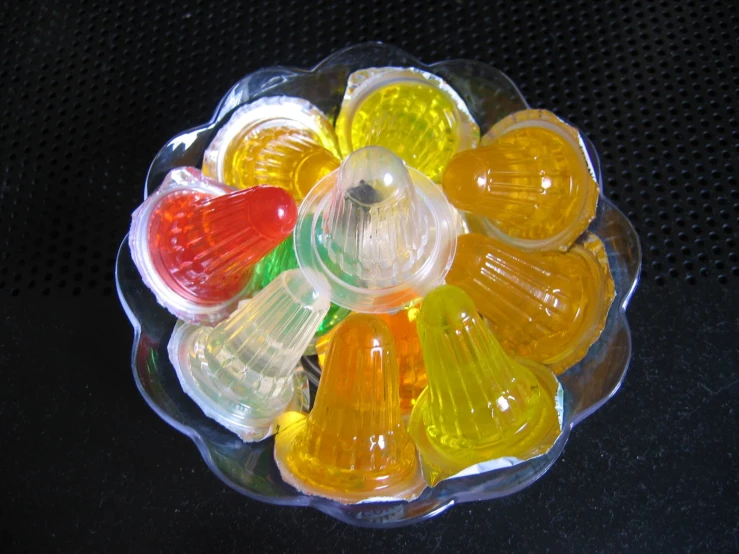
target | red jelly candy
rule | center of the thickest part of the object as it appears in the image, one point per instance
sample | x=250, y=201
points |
x=201, y=241
x=205, y=248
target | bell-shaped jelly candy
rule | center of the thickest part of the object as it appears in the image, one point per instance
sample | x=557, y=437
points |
x=242, y=372
x=278, y=141
x=353, y=445
x=546, y=306
x=195, y=241
x=479, y=405
x=411, y=112
x=382, y=234
x=532, y=181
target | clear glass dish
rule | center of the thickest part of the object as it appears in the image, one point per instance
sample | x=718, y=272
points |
x=249, y=468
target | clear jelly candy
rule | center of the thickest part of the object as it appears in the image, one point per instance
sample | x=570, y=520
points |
x=382, y=234
x=282, y=259
x=242, y=372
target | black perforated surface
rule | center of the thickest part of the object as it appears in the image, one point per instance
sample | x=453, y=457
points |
x=89, y=91
x=92, y=91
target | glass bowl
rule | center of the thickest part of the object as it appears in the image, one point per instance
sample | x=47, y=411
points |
x=249, y=468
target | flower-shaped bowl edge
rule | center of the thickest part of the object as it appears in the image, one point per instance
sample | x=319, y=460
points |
x=249, y=469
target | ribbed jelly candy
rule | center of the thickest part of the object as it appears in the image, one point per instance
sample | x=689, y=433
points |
x=353, y=445
x=412, y=371
x=278, y=141
x=546, y=306
x=531, y=179
x=195, y=241
x=480, y=405
x=242, y=372
x=413, y=113
x=282, y=259
x=382, y=234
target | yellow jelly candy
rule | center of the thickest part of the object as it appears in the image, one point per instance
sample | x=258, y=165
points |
x=353, y=445
x=531, y=180
x=546, y=306
x=283, y=158
x=278, y=141
x=480, y=405
x=415, y=114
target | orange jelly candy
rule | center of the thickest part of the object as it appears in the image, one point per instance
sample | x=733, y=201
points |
x=412, y=371
x=546, y=306
x=410, y=357
x=353, y=446
x=531, y=180
x=279, y=141
x=286, y=158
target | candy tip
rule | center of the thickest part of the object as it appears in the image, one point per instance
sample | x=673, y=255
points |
x=445, y=305
x=373, y=175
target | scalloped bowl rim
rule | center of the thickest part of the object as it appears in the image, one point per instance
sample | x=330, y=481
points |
x=326, y=506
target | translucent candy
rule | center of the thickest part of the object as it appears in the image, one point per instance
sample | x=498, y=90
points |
x=322, y=345
x=194, y=241
x=532, y=180
x=381, y=234
x=241, y=372
x=353, y=445
x=278, y=141
x=336, y=314
x=546, y=306
x=412, y=372
x=480, y=405
x=282, y=259
x=415, y=114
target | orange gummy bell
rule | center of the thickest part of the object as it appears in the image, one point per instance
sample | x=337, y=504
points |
x=412, y=372
x=531, y=181
x=353, y=445
x=546, y=306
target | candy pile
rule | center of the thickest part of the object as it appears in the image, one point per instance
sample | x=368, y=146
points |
x=443, y=280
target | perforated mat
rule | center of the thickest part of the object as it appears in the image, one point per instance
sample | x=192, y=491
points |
x=90, y=92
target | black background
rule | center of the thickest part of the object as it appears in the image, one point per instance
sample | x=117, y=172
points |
x=90, y=91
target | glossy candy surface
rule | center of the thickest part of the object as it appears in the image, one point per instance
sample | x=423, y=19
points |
x=241, y=372
x=531, y=179
x=480, y=405
x=546, y=306
x=353, y=445
x=414, y=114
x=278, y=141
x=282, y=258
x=195, y=241
x=492, y=96
x=411, y=368
x=381, y=234
x=206, y=248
